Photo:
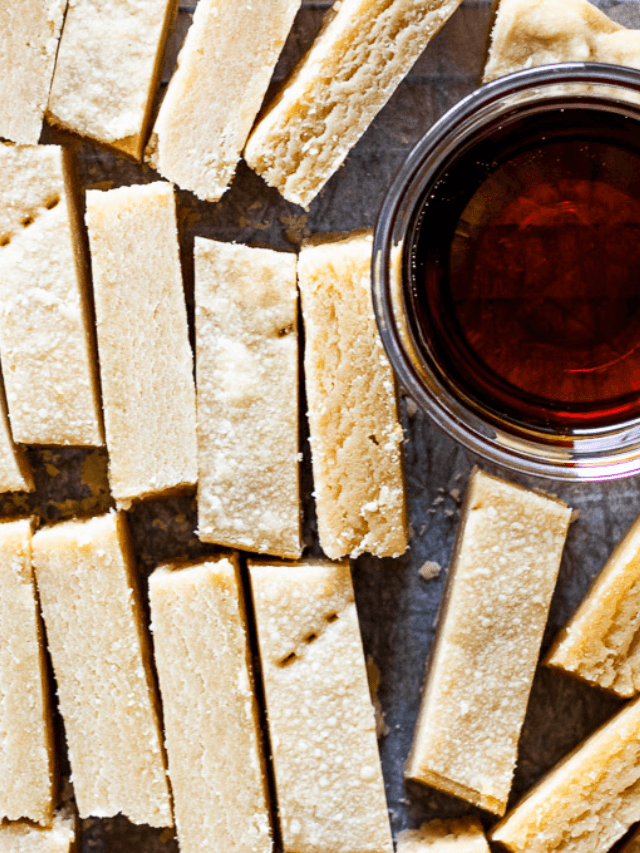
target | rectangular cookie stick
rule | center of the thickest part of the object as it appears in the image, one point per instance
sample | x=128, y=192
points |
x=364, y=49
x=223, y=72
x=60, y=837
x=527, y=33
x=501, y=579
x=213, y=739
x=356, y=436
x=101, y=661
x=107, y=70
x=26, y=746
x=321, y=722
x=588, y=801
x=29, y=34
x=146, y=363
x=599, y=643
x=247, y=380
x=15, y=471
x=46, y=329
x=462, y=835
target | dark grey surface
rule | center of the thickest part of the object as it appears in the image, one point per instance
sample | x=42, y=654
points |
x=397, y=607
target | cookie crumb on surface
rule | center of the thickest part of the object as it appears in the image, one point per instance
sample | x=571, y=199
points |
x=430, y=570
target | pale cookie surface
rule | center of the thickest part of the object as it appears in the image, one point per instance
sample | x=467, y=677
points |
x=26, y=745
x=210, y=713
x=464, y=835
x=146, y=363
x=600, y=642
x=60, y=837
x=46, y=335
x=356, y=436
x=321, y=722
x=15, y=472
x=107, y=69
x=247, y=380
x=495, y=608
x=542, y=32
x=100, y=653
x=362, y=53
x=588, y=801
x=29, y=34
x=214, y=96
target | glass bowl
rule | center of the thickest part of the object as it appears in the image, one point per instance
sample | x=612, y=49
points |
x=559, y=451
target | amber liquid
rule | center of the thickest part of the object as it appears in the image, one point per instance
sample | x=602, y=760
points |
x=525, y=270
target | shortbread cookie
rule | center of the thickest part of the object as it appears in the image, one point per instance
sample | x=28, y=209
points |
x=213, y=739
x=464, y=835
x=107, y=70
x=46, y=330
x=321, y=723
x=353, y=415
x=100, y=652
x=247, y=380
x=363, y=51
x=223, y=72
x=21, y=837
x=600, y=642
x=15, y=471
x=29, y=34
x=26, y=745
x=146, y=363
x=588, y=801
x=542, y=32
x=501, y=579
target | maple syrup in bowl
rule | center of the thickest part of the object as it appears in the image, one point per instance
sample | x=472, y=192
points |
x=506, y=272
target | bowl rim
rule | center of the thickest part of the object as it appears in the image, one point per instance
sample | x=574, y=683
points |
x=580, y=455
